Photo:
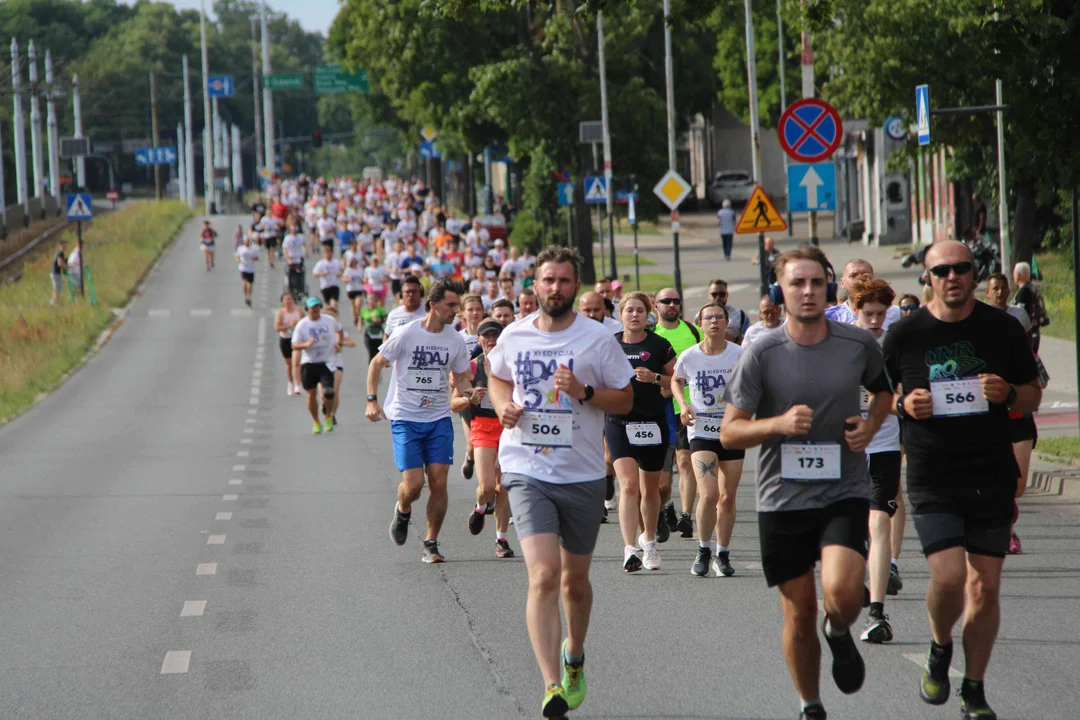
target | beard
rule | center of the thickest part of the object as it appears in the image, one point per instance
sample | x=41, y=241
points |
x=556, y=307
x=964, y=298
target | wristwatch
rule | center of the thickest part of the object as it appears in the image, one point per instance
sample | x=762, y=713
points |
x=900, y=411
x=589, y=392
x=1010, y=399
x=373, y=398
x=657, y=380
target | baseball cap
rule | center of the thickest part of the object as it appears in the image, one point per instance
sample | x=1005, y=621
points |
x=499, y=243
x=313, y=302
x=489, y=326
x=616, y=284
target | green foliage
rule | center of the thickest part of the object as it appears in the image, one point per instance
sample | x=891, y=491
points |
x=1056, y=288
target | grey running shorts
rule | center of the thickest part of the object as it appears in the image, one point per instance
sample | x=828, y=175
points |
x=571, y=511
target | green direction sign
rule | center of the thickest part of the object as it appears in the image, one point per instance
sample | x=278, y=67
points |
x=284, y=81
x=331, y=79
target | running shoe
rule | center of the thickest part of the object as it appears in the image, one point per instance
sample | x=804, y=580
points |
x=670, y=517
x=896, y=584
x=973, y=702
x=289, y=390
x=866, y=596
x=554, y=705
x=467, y=468
x=503, y=549
x=573, y=680
x=685, y=526
x=399, y=527
x=1014, y=545
x=701, y=563
x=934, y=688
x=814, y=712
x=604, y=517
x=662, y=531
x=328, y=425
x=878, y=630
x=631, y=562
x=650, y=557
x=722, y=564
x=848, y=669
x=476, y=522
x=247, y=302
x=431, y=554
x=316, y=428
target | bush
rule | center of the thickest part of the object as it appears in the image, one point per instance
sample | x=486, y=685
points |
x=39, y=343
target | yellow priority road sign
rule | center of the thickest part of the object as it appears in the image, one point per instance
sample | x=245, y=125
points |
x=760, y=215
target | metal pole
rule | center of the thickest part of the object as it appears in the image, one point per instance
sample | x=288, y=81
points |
x=54, y=141
x=1003, y=200
x=3, y=194
x=76, y=105
x=155, y=130
x=237, y=160
x=208, y=137
x=607, y=143
x=20, y=134
x=783, y=106
x=256, y=87
x=599, y=218
x=268, y=96
x=808, y=92
x=1076, y=275
x=181, y=161
x=189, y=141
x=669, y=83
x=35, y=129
x=632, y=217
x=82, y=260
x=751, y=78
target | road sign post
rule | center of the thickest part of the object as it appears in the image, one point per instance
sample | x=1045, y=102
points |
x=922, y=113
x=79, y=208
x=220, y=86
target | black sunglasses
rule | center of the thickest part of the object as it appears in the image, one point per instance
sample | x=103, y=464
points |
x=718, y=294
x=960, y=268
x=670, y=301
x=909, y=308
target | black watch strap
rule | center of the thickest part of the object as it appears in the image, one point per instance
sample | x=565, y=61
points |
x=1010, y=399
x=900, y=411
x=589, y=392
x=373, y=398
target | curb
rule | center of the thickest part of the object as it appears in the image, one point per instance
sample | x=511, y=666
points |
x=1064, y=481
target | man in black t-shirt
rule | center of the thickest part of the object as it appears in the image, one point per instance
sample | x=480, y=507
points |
x=961, y=366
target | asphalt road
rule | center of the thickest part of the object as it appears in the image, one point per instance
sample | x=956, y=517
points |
x=177, y=545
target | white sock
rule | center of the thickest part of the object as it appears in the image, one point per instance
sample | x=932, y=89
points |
x=481, y=508
x=808, y=703
x=705, y=544
x=894, y=562
x=721, y=548
x=500, y=535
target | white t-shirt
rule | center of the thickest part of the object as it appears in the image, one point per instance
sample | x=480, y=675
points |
x=843, y=313
x=293, y=247
x=327, y=228
x=528, y=357
x=706, y=376
x=399, y=316
x=74, y=262
x=887, y=438
x=354, y=279
x=325, y=329
x=376, y=276
x=246, y=257
x=488, y=301
x=727, y=221
x=332, y=268
x=392, y=263
x=470, y=340
x=422, y=363
x=612, y=324
x=755, y=331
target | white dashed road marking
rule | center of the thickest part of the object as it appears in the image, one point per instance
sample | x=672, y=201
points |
x=229, y=496
x=176, y=662
x=246, y=441
x=223, y=516
x=206, y=569
x=241, y=312
x=236, y=481
x=158, y=313
x=242, y=453
x=920, y=660
x=193, y=608
x=201, y=312
x=215, y=540
x=239, y=468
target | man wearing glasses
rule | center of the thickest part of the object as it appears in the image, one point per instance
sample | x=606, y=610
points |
x=771, y=317
x=739, y=320
x=682, y=335
x=959, y=367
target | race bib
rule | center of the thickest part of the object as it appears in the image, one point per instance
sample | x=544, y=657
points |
x=425, y=379
x=547, y=428
x=958, y=396
x=706, y=426
x=864, y=403
x=810, y=462
x=643, y=433
x=485, y=403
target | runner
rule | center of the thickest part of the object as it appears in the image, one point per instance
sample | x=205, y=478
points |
x=353, y=275
x=295, y=251
x=473, y=312
x=871, y=300
x=246, y=257
x=705, y=369
x=502, y=311
x=319, y=338
x=329, y=270
x=591, y=305
x=844, y=312
x=725, y=219
x=412, y=292
x=285, y=319
x=373, y=323
x=771, y=317
x=421, y=354
x=331, y=404
x=527, y=304
x=962, y=366
x=552, y=379
x=739, y=321
x=206, y=243
x=638, y=440
x=802, y=384
x=485, y=431
x=668, y=309
x=376, y=278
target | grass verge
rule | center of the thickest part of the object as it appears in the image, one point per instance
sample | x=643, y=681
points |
x=627, y=261
x=39, y=343
x=1056, y=287
x=1066, y=448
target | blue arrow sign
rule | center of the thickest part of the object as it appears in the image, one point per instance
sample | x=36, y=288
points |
x=922, y=113
x=428, y=151
x=595, y=190
x=155, y=156
x=811, y=187
x=220, y=86
x=566, y=194
x=79, y=207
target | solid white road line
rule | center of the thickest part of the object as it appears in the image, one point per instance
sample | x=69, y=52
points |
x=215, y=540
x=206, y=569
x=176, y=662
x=229, y=496
x=193, y=608
x=223, y=516
x=920, y=660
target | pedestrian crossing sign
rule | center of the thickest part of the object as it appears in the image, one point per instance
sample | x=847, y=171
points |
x=79, y=206
x=760, y=215
x=595, y=190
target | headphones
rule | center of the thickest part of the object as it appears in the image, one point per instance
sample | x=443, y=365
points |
x=776, y=293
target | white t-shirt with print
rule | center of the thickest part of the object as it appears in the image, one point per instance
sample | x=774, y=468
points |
x=325, y=329
x=528, y=358
x=293, y=248
x=246, y=257
x=354, y=279
x=326, y=228
x=706, y=376
x=332, y=268
x=422, y=363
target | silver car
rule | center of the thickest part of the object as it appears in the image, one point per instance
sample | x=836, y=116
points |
x=734, y=185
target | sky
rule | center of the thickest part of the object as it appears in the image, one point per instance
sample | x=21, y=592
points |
x=314, y=15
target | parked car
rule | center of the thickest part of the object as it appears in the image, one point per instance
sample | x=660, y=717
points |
x=494, y=224
x=734, y=185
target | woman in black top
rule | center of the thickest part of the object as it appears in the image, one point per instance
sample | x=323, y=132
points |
x=638, y=441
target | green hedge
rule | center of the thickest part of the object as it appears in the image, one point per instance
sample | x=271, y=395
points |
x=39, y=343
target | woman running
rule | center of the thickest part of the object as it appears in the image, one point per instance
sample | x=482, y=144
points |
x=375, y=279
x=638, y=441
x=486, y=429
x=353, y=276
x=285, y=320
x=871, y=299
x=706, y=368
x=472, y=309
x=246, y=257
x=373, y=324
x=206, y=244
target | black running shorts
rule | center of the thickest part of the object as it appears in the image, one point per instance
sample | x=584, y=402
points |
x=791, y=540
x=247, y=276
x=331, y=293
x=978, y=519
x=650, y=458
x=884, y=480
x=714, y=446
x=285, y=345
x=314, y=374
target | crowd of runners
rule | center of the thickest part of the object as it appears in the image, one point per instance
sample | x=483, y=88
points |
x=578, y=408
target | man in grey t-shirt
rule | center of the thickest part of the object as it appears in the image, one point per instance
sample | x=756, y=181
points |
x=802, y=383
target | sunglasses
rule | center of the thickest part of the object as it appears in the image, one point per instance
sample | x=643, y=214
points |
x=712, y=318
x=909, y=308
x=722, y=293
x=960, y=268
x=670, y=301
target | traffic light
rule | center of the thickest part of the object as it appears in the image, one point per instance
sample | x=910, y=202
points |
x=316, y=138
